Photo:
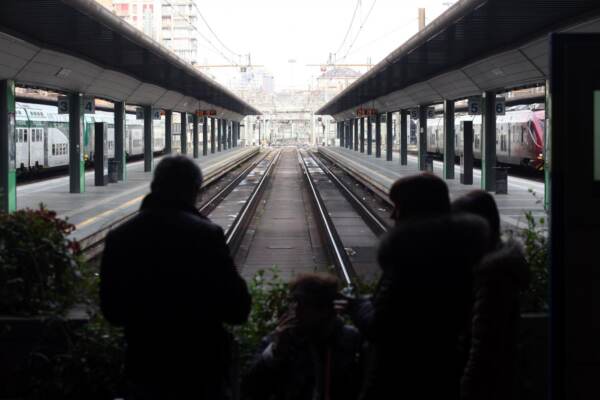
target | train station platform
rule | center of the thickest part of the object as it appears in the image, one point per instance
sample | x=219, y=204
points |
x=100, y=206
x=379, y=175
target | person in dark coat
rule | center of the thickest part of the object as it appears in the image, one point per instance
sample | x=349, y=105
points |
x=491, y=367
x=312, y=355
x=167, y=277
x=422, y=300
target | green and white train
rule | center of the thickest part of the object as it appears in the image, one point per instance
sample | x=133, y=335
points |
x=42, y=137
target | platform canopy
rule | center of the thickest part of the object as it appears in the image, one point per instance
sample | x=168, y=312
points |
x=475, y=46
x=78, y=45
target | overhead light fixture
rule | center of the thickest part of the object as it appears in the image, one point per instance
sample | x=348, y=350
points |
x=63, y=73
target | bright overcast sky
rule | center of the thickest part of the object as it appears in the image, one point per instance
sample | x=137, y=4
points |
x=276, y=31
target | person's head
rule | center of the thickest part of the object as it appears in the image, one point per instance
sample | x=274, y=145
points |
x=313, y=295
x=177, y=178
x=419, y=196
x=482, y=204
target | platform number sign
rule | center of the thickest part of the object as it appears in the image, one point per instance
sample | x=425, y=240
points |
x=139, y=113
x=474, y=105
x=500, y=106
x=89, y=105
x=430, y=112
x=63, y=105
x=156, y=113
x=414, y=113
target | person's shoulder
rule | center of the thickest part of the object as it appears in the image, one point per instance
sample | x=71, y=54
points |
x=507, y=261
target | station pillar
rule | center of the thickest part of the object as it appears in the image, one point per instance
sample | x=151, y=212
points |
x=205, y=136
x=8, y=147
x=219, y=130
x=76, y=162
x=168, y=132
x=362, y=134
x=183, y=132
x=340, y=131
x=120, y=129
x=195, y=139
x=389, y=138
x=403, y=137
x=149, y=139
x=488, y=142
x=369, y=136
x=422, y=154
x=213, y=123
x=449, y=139
x=355, y=138
x=229, y=134
x=466, y=161
x=350, y=134
x=100, y=154
x=378, y=135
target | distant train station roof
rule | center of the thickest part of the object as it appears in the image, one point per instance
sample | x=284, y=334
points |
x=476, y=45
x=78, y=45
x=340, y=73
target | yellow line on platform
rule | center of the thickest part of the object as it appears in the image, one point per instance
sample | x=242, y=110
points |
x=108, y=212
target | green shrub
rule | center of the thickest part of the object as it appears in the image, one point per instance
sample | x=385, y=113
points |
x=40, y=268
x=269, y=301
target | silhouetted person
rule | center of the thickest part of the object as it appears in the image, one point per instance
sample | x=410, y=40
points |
x=312, y=354
x=422, y=300
x=167, y=277
x=490, y=373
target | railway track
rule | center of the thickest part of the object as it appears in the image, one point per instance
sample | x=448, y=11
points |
x=93, y=245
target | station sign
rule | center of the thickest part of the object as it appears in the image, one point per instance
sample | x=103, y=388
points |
x=366, y=112
x=430, y=112
x=89, y=105
x=414, y=113
x=474, y=105
x=63, y=105
x=206, y=113
x=139, y=113
x=156, y=113
x=500, y=106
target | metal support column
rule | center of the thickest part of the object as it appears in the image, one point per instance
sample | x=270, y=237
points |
x=120, y=129
x=488, y=142
x=100, y=154
x=8, y=147
x=340, y=132
x=389, y=138
x=229, y=134
x=422, y=140
x=350, y=133
x=466, y=161
x=205, y=136
x=183, y=133
x=76, y=162
x=355, y=139
x=369, y=136
x=219, y=130
x=148, y=139
x=195, y=138
x=449, y=139
x=362, y=135
x=378, y=136
x=168, y=131
x=213, y=139
x=403, y=137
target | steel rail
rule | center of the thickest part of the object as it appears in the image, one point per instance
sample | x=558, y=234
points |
x=336, y=247
x=92, y=245
x=237, y=229
x=372, y=220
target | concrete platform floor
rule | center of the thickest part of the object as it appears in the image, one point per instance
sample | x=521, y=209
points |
x=512, y=206
x=99, y=206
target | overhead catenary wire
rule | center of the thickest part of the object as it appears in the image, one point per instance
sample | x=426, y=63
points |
x=360, y=28
x=201, y=34
x=349, y=26
x=213, y=32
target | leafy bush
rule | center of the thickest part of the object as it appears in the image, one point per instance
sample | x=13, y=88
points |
x=534, y=237
x=269, y=301
x=40, y=268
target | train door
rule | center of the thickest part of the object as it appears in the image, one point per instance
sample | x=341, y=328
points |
x=22, y=147
x=36, y=147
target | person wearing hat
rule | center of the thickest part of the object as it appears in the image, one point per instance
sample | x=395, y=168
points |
x=311, y=354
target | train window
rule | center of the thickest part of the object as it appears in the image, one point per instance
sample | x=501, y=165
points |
x=53, y=149
x=25, y=136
